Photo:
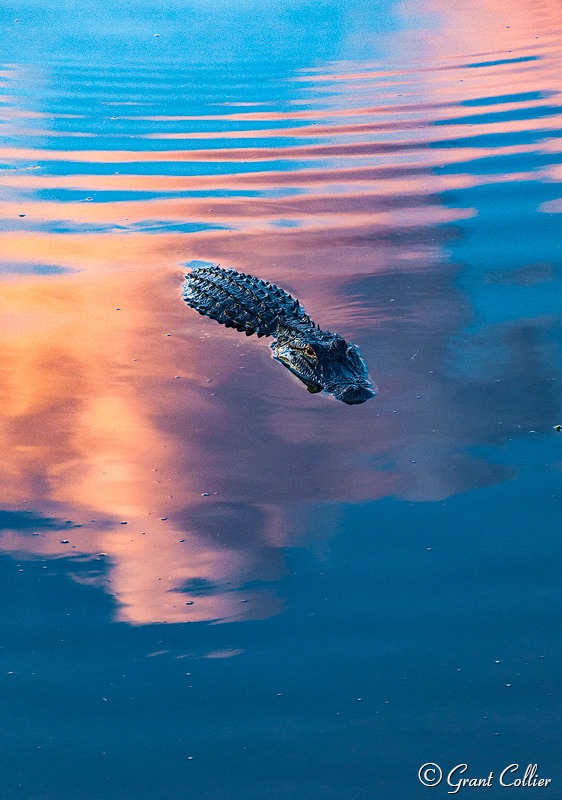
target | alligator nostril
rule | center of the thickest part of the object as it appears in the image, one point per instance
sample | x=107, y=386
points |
x=353, y=395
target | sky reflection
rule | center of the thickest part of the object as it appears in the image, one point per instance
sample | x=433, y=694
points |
x=215, y=584
x=177, y=447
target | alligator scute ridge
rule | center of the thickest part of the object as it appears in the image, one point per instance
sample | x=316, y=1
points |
x=322, y=360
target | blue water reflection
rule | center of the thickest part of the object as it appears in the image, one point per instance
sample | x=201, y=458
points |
x=218, y=585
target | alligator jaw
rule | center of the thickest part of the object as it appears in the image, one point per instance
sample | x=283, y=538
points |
x=351, y=395
x=312, y=387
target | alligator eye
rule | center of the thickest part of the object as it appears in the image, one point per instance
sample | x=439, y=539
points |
x=310, y=351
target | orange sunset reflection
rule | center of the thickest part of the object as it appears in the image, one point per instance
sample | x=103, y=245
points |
x=178, y=449
x=78, y=435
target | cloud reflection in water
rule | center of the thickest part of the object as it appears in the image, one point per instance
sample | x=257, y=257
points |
x=183, y=460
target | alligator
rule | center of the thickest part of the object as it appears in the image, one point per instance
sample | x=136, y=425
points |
x=323, y=361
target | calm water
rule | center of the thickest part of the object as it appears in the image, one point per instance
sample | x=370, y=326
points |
x=216, y=585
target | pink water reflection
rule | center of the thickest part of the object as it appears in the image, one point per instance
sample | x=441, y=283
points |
x=178, y=446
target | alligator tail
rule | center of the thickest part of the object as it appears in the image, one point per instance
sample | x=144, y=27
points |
x=241, y=301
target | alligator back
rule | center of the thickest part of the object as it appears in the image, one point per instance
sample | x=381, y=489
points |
x=241, y=301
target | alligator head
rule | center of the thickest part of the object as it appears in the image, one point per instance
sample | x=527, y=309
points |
x=324, y=361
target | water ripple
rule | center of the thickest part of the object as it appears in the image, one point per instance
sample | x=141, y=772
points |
x=412, y=204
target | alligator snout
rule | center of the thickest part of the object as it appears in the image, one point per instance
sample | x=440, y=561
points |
x=354, y=395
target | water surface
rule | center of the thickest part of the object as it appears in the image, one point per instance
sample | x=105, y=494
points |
x=216, y=584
